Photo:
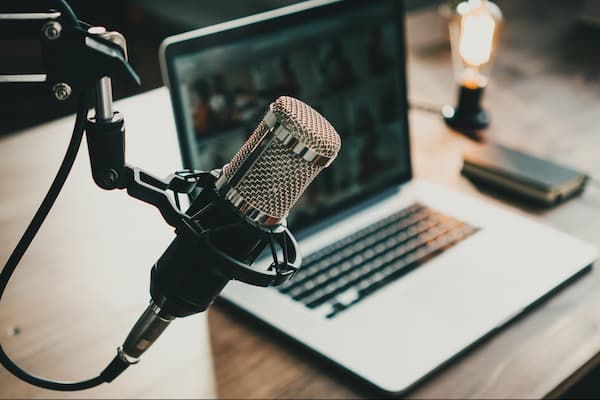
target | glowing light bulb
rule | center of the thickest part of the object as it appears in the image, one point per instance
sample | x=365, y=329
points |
x=474, y=27
x=476, y=39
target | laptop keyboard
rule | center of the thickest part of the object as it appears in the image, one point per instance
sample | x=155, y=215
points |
x=344, y=273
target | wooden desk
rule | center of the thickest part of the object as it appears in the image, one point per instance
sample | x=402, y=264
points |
x=538, y=102
x=85, y=279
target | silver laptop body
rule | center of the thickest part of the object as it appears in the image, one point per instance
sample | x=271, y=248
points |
x=441, y=270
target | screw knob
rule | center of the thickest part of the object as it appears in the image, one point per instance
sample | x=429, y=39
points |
x=52, y=30
x=61, y=91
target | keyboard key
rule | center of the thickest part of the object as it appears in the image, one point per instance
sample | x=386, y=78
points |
x=348, y=297
x=342, y=274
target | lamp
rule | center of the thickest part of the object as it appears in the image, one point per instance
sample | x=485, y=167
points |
x=474, y=27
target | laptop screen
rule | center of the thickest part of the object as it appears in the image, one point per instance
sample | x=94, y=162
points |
x=345, y=59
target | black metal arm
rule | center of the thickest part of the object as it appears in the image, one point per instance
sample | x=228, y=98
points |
x=74, y=55
x=152, y=190
x=77, y=57
x=106, y=147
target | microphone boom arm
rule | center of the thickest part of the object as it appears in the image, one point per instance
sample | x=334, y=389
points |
x=101, y=56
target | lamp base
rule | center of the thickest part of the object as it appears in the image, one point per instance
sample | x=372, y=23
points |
x=468, y=117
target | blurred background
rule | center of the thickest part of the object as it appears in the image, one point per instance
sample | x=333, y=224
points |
x=145, y=23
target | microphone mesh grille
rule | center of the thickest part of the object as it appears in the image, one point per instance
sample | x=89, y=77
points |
x=239, y=157
x=279, y=176
x=307, y=125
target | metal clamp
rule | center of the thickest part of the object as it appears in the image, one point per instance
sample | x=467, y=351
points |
x=74, y=54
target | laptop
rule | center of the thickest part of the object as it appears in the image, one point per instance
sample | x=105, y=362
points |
x=399, y=275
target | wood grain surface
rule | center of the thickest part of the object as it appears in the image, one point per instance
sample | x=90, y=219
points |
x=85, y=279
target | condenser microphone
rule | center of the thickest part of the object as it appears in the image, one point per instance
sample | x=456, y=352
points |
x=236, y=217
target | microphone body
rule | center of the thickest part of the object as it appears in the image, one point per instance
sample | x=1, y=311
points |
x=189, y=275
x=236, y=217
